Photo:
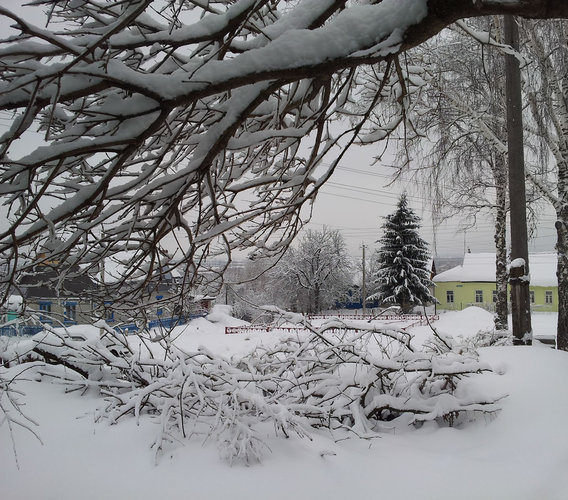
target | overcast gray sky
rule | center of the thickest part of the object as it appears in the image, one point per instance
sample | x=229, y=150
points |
x=359, y=194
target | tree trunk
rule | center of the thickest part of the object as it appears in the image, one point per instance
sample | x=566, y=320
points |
x=501, y=312
x=562, y=275
x=562, y=225
x=317, y=300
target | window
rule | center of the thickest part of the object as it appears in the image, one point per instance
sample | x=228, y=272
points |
x=494, y=296
x=531, y=296
x=160, y=310
x=450, y=296
x=70, y=312
x=479, y=296
x=109, y=313
x=45, y=312
x=548, y=297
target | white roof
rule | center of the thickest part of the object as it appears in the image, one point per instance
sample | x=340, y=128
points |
x=480, y=267
x=543, y=269
x=117, y=266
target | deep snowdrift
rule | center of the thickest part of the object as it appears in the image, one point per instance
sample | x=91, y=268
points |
x=520, y=454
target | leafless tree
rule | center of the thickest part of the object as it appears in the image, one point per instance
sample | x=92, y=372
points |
x=184, y=124
x=546, y=86
x=318, y=272
x=250, y=283
x=460, y=140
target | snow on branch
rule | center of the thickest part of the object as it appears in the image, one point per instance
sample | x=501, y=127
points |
x=349, y=383
x=485, y=38
x=12, y=406
x=174, y=132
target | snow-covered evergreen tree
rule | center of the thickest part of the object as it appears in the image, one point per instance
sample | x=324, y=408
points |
x=403, y=277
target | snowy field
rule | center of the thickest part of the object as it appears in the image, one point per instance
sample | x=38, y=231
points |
x=522, y=453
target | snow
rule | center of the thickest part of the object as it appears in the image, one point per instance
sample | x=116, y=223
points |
x=354, y=32
x=14, y=303
x=456, y=323
x=517, y=263
x=521, y=453
x=480, y=267
x=543, y=269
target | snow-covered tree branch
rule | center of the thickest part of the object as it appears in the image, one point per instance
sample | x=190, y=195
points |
x=349, y=381
x=184, y=124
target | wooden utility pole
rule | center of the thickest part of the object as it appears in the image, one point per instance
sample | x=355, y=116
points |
x=364, y=287
x=519, y=276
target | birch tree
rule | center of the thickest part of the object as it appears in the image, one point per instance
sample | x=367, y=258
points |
x=547, y=90
x=466, y=154
x=544, y=58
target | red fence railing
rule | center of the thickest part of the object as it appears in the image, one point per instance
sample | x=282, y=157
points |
x=416, y=319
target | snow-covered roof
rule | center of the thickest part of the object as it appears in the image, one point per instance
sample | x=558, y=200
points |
x=116, y=267
x=543, y=269
x=475, y=267
x=480, y=267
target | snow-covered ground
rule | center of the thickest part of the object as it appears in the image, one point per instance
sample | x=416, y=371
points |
x=522, y=453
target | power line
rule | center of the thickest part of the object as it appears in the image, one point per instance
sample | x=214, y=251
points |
x=375, y=202
x=373, y=191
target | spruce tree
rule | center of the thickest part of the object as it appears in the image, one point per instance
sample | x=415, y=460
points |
x=403, y=277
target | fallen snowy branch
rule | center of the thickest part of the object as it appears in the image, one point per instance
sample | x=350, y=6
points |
x=348, y=382
x=11, y=413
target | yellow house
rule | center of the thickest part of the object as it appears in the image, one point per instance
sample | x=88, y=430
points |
x=473, y=283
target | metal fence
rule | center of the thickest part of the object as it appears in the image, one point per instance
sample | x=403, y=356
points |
x=231, y=330
x=411, y=320
x=167, y=323
x=15, y=330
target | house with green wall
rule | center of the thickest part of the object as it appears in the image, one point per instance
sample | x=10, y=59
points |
x=473, y=283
